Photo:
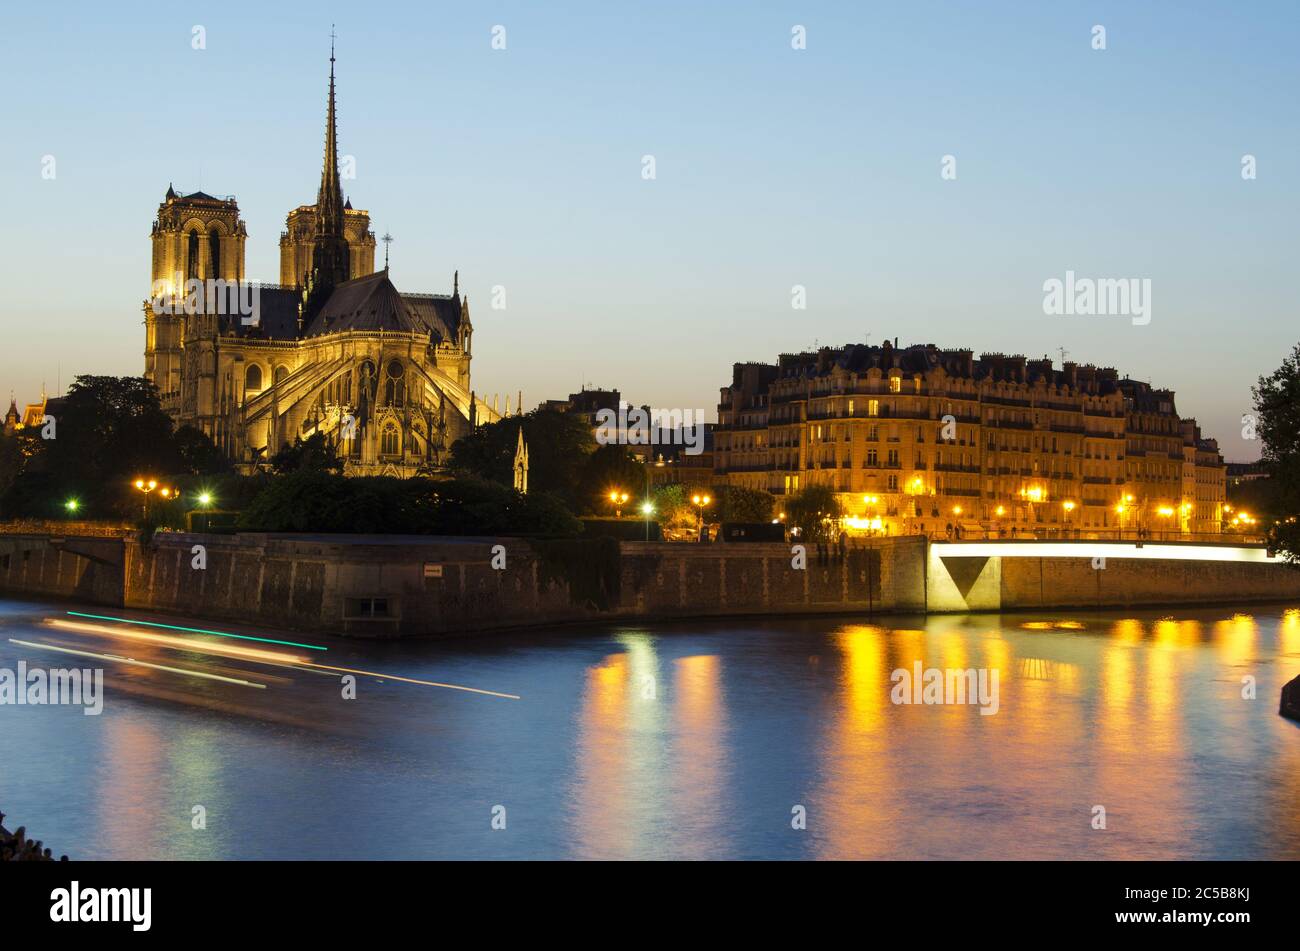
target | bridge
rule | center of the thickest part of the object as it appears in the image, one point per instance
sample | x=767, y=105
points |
x=1024, y=574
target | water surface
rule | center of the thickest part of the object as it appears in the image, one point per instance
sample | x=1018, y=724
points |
x=688, y=740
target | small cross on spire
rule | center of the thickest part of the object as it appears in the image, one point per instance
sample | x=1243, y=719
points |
x=387, y=239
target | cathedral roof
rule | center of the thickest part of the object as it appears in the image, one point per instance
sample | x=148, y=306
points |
x=277, y=315
x=373, y=303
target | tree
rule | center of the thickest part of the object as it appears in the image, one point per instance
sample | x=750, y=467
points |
x=736, y=503
x=1277, y=406
x=813, y=511
x=611, y=468
x=106, y=432
x=11, y=462
x=558, y=447
x=198, y=454
x=111, y=427
x=313, y=500
x=314, y=454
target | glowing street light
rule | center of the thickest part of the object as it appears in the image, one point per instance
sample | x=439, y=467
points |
x=72, y=505
x=618, y=500
x=146, y=486
x=205, y=499
x=1166, y=512
x=700, y=502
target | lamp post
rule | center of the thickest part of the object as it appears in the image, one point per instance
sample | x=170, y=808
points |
x=618, y=500
x=72, y=505
x=1067, y=506
x=146, y=486
x=647, y=510
x=1167, y=513
x=700, y=502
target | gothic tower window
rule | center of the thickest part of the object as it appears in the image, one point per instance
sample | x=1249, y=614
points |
x=395, y=389
x=388, y=440
x=253, y=379
x=280, y=373
x=192, y=255
x=214, y=246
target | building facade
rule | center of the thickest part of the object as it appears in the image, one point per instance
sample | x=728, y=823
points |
x=333, y=348
x=923, y=440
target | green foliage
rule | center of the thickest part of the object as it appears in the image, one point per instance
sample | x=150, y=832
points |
x=739, y=504
x=559, y=445
x=1277, y=405
x=314, y=454
x=317, y=501
x=11, y=462
x=813, y=511
x=198, y=454
x=107, y=431
x=608, y=469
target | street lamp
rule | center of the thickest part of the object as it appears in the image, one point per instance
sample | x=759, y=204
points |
x=618, y=500
x=146, y=486
x=700, y=502
x=647, y=510
x=1165, y=512
x=72, y=505
x=1068, y=507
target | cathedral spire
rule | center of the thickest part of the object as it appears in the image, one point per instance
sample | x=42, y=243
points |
x=330, y=265
x=329, y=200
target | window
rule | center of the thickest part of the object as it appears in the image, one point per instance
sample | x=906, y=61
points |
x=192, y=255
x=873, y=407
x=389, y=440
x=214, y=252
x=253, y=379
x=366, y=608
x=895, y=384
x=873, y=458
x=280, y=373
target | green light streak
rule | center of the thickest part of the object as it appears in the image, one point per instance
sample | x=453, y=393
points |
x=197, y=630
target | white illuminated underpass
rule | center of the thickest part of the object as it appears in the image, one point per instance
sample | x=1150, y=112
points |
x=1173, y=552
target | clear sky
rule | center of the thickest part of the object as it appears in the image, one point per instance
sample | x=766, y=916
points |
x=775, y=167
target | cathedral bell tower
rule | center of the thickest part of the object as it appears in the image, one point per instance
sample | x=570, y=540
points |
x=330, y=253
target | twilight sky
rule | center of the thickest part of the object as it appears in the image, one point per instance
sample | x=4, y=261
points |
x=774, y=167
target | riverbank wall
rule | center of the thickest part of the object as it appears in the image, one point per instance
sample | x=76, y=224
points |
x=401, y=586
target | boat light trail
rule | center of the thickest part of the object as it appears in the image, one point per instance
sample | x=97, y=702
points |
x=180, y=643
x=271, y=658
x=196, y=630
x=423, y=683
x=139, y=663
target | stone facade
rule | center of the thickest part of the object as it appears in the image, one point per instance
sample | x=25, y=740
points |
x=923, y=440
x=334, y=348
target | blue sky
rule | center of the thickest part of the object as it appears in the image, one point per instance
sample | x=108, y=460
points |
x=775, y=167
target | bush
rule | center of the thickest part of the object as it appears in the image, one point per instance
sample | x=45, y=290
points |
x=319, y=501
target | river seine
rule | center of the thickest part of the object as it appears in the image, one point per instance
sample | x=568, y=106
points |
x=735, y=739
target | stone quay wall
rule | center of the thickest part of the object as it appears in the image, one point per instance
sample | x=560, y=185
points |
x=400, y=586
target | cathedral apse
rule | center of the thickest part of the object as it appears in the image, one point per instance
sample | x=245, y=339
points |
x=333, y=348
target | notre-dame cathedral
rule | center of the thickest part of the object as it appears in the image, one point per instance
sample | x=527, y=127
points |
x=333, y=348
